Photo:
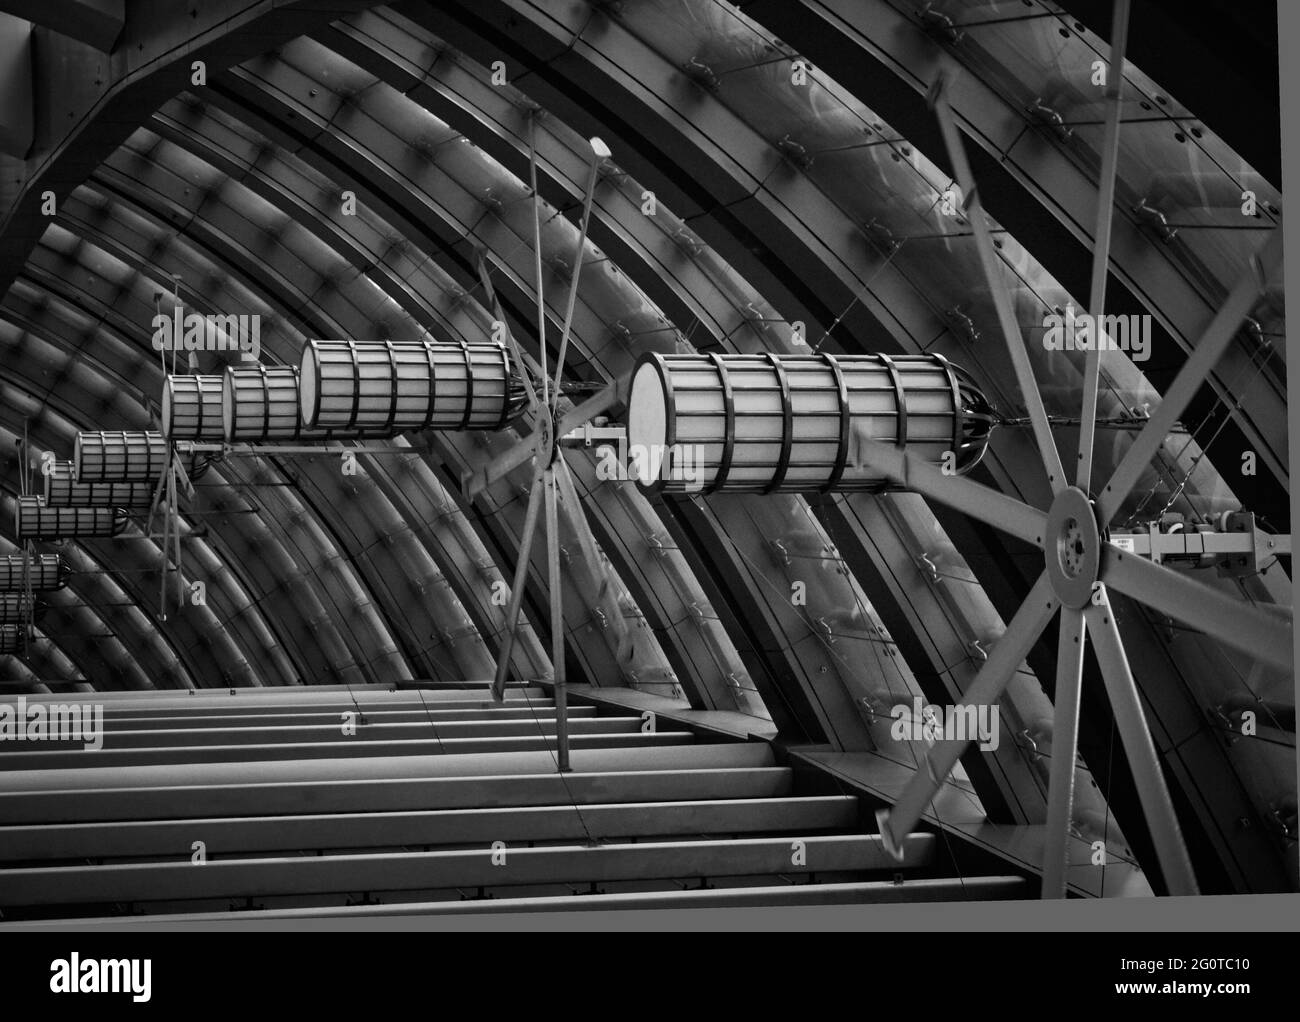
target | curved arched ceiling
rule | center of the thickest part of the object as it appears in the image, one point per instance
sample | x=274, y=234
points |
x=737, y=204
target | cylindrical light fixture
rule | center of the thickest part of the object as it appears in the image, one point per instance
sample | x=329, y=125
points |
x=63, y=490
x=390, y=387
x=15, y=607
x=191, y=408
x=784, y=423
x=11, y=639
x=264, y=403
x=126, y=456
x=33, y=520
x=45, y=572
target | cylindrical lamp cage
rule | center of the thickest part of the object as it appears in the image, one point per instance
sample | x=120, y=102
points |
x=46, y=572
x=127, y=456
x=265, y=403
x=63, y=490
x=33, y=520
x=785, y=423
x=11, y=639
x=191, y=408
x=15, y=608
x=391, y=387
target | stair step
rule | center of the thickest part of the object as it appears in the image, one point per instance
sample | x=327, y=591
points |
x=286, y=699
x=404, y=871
x=438, y=714
x=235, y=835
x=394, y=795
x=478, y=727
x=372, y=768
x=344, y=748
x=870, y=892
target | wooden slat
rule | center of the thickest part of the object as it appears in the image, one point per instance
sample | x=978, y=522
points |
x=231, y=835
x=404, y=871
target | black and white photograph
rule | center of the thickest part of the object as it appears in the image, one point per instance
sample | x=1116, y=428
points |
x=647, y=465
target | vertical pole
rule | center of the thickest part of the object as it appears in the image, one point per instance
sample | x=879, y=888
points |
x=557, y=622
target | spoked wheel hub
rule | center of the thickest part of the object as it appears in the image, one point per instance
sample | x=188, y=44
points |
x=1072, y=547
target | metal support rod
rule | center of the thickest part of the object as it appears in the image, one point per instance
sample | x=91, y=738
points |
x=1213, y=343
x=478, y=480
x=1101, y=238
x=993, y=268
x=974, y=499
x=516, y=352
x=517, y=589
x=1262, y=631
x=1065, y=744
x=598, y=153
x=1171, y=852
x=591, y=556
x=550, y=483
x=1005, y=658
x=599, y=403
x=537, y=255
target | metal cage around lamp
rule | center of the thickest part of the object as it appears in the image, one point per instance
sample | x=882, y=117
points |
x=43, y=572
x=785, y=423
x=127, y=456
x=391, y=387
x=63, y=490
x=17, y=608
x=33, y=520
x=261, y=403
x=191, y=408
x=11, y=639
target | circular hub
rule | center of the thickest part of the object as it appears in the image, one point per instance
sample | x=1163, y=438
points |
x=1072, y=547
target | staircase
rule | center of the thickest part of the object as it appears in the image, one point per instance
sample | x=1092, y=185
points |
x=441, y=801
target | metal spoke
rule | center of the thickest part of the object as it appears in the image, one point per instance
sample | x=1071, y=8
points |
x=591, y=556
x=1130, y=718
x=1214, y=342
x=503, y=464
x=993, y=267
x=599, y=403
x=499, y=315
x=979, y=502
x=1101, y=240
x=599, y=152
x=1005, y=658
x=1065, y=745
x=1263, y=631
x=517, y=589
x=537, y=254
